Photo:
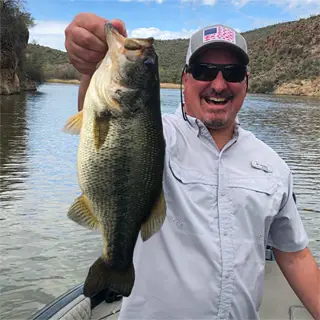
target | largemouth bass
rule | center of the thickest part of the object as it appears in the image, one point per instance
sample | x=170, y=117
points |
x=120, y=158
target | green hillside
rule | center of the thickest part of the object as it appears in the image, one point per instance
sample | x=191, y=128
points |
x=280, y=53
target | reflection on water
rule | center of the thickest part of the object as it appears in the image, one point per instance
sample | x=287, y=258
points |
x=43, y=254
x=13, y=152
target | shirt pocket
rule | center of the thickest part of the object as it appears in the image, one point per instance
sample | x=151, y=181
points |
x=264, y=185
x=189, y=176
x=191, y=197
x=255, y=203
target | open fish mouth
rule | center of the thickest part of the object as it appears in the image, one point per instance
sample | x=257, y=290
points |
x=138, y=43
x=133, y=48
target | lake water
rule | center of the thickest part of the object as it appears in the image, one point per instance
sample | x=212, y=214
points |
x=42, y=252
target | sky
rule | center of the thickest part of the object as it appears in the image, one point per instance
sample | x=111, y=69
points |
x=164, y=19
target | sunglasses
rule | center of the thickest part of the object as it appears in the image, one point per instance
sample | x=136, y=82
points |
x=209, y=71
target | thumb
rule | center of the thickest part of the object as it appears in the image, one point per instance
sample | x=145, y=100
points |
x=120, y=26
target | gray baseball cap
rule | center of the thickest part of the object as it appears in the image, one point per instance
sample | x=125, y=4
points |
x=217, y=36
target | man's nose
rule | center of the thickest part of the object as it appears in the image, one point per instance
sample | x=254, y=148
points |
x=219, y=83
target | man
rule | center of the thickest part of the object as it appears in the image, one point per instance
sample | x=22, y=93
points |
x=228, y=194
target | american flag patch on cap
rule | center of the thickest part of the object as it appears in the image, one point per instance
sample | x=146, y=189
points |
x=219, y=33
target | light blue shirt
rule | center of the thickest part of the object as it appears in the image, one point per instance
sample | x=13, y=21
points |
x=223, y=208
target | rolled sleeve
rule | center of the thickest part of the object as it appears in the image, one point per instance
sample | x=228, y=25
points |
x=287, y=232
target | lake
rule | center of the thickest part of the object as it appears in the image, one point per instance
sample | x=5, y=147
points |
x=43, y=253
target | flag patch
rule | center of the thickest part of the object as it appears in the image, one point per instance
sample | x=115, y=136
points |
x=219, y=33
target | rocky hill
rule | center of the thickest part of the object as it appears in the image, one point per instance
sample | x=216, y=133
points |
x=284, y=58
x=14, y=37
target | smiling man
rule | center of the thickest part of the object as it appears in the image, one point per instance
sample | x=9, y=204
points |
x=215, y=82
x=228, y=194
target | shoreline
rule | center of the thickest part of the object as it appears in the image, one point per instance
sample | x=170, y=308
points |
x=306, y=88
x=75, y=81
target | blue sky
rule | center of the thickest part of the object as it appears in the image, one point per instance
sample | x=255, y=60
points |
x=164, y=19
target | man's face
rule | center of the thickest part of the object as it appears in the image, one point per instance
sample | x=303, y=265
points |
x=217, y=102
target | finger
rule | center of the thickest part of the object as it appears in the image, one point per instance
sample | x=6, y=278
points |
x=81, y=64
x=120, y=26
x=85, y=68
x=93, y=23
x=86, y=39
x=84, y=54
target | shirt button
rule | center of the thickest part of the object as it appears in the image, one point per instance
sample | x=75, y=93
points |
x=225, y=233
x=227, y=275
x=222, y=193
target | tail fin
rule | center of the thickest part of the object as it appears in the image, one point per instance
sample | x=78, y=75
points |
x=100, y=277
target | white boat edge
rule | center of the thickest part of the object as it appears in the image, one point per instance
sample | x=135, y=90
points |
x=279, y=301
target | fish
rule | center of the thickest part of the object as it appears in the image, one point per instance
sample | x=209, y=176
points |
x=120, y=159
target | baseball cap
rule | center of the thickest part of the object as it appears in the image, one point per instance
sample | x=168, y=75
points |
x=217, y=36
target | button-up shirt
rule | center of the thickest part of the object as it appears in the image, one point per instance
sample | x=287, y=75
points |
x=223, y=208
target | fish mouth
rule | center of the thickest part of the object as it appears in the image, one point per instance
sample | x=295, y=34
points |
x=138, y=43
x=132, y=48
x=136, y=48
x=112, y=35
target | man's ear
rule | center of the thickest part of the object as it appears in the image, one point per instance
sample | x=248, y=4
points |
x=185, y=78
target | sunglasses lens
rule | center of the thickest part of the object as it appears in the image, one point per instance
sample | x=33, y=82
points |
x=202, y=72
x=208, y=72
x=234, y=73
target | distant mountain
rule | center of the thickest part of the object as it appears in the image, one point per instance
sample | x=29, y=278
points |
x=285, y=55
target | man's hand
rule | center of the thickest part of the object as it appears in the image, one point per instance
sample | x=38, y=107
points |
x=85, y=41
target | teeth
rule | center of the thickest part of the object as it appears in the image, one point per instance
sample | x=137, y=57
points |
x=216, y=99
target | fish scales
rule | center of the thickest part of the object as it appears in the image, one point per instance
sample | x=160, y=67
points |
x=123, y=180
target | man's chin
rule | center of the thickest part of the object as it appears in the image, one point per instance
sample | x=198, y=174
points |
x=215, y=124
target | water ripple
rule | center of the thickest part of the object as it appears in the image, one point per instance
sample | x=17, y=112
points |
x=43, y=254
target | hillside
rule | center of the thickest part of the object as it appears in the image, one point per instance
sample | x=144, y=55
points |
x=287, y=53
x=283, y=58
x=14, y=36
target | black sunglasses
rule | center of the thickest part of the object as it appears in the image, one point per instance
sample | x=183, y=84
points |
x=209, y=71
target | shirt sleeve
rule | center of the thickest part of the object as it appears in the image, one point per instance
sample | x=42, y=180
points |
x=287, y=232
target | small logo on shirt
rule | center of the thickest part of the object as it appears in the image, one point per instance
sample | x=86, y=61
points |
x=264, y=167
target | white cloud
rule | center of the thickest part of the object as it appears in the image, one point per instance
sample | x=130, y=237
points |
x=160, y=34
x=302, y=8
x=240, y=3
x=295, y=3
x=158, y=1
x=204, y=2
x=49, y=33
x=209, y=2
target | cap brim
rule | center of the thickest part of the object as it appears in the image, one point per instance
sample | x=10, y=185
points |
x=221, y=44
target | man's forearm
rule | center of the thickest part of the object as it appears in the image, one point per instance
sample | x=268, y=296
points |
x=303, y=275
x=84, y=84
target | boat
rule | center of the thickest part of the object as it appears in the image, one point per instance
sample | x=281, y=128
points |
x=279, y=301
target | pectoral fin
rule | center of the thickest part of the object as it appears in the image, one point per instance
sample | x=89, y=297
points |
x=81, y=213
x=101, y=128
x=74, y=124
x=156, y=218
